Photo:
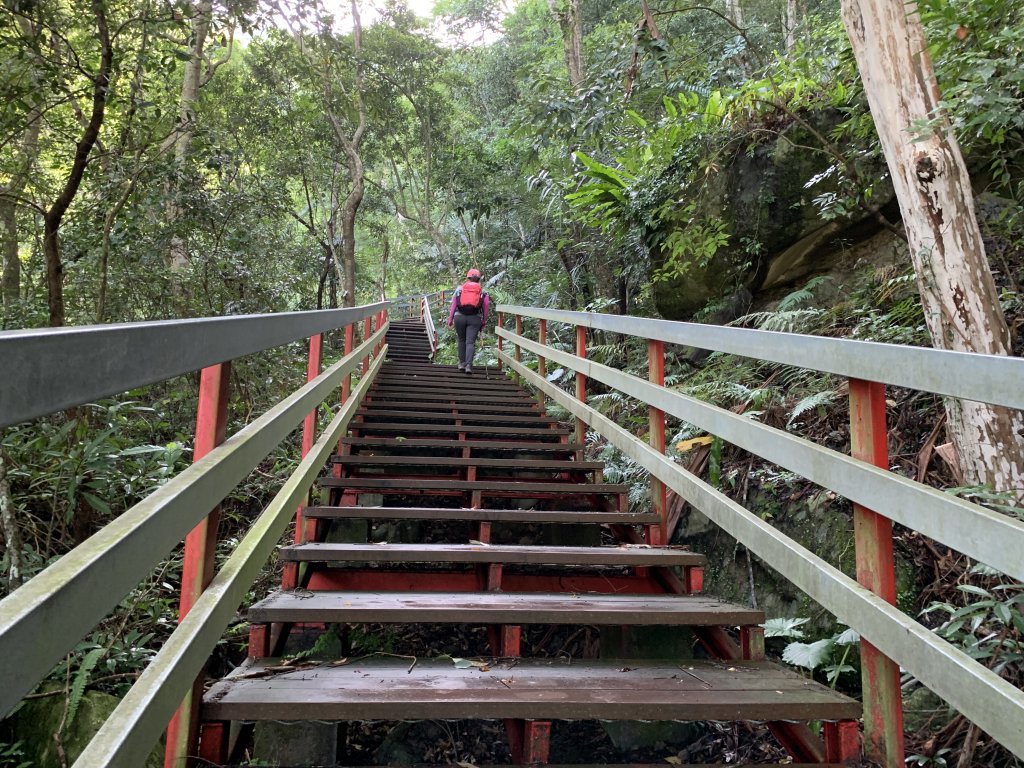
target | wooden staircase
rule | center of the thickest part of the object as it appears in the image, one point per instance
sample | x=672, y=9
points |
x=476, y=454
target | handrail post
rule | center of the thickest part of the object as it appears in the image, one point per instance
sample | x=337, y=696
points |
x=423, y=303
x=200, y=549
x=346, y=383
x=656, y=423
x=313, y=365
x=346, y=387
x=581, y=388
x=501, y=345
x=880, y=676
x=542, y=363
x=367, y=333
x=519, y=332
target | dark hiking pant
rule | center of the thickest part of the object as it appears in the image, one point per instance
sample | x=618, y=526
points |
x=468, y=328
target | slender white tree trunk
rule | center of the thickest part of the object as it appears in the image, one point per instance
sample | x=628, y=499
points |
x=179, y=142
x=792, y=20
x=570, y=22
x=958, y=294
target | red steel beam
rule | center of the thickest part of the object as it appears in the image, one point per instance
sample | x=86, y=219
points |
x=656, y=423
x=581, y=387
x=880, y=676
x=200, y=549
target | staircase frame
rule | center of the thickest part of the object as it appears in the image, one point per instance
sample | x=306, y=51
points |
x=87, y=583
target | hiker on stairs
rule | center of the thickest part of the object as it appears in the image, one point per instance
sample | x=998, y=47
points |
x=468, y=315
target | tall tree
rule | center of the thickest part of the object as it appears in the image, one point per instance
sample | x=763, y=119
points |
x=198, y=71
x=54, y=215
x=23, y=149
x=569, y=17
x=959, y=297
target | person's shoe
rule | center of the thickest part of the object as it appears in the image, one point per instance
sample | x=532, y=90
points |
x=462, y=366
x=467, y=369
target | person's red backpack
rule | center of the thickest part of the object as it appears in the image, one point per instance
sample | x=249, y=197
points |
x=471, y=299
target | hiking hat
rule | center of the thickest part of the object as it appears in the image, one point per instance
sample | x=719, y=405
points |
x=473, y=273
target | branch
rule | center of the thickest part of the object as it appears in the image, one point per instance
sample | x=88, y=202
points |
x=213, y=66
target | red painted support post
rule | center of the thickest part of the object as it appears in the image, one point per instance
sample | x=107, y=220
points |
x=367, y=333
x=581, y=387
x=519, y=332
x=200, y=549
x=656, y=425
x=501, y=345
x=536, y=742
x=542, y=363
x=880, y=676
x=346, y=383
x=842, y=741
x=316, y=346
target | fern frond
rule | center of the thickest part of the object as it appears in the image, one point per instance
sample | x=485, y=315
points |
x=82, y=677
x=809, y=403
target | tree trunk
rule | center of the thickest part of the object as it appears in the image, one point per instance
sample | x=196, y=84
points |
x=570, y=21
x=10, y=282
x=792, y=20
x=179, y=142
x=958, y=294
x=348, y=232
x=355, y=166
x=734, y=11
x=55, y=215
x=9, y=526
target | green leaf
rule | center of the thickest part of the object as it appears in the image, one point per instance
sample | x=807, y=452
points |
x=96, y=503
x=81, y=680
x=849, y=637
x=784, y=627
x=808, y=655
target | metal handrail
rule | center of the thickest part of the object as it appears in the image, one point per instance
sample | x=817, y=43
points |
x=984, y=378
x=428, y=323
x=88, y=582
x=987, y=536
x=110, y=359
x=981, y=695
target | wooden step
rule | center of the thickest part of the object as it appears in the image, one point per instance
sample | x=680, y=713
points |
x=488, y=487
x=429, y=374
x=416, y=443
x=432, y=367
x=406, y=428
x=378, y=688
x=454, y=406
x=500, y=608
x=623, y=555
x=480, y=515
x=407, y=393
x=467, y=384
x=550, y=465
x=381, y=411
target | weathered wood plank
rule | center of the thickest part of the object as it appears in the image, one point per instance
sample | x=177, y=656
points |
x=624, y=555
x=500, y=608
x=516, y=446
x=582, y=690
x=476, y=428
x=554, y=465
x=483, y=515
x=465, y=486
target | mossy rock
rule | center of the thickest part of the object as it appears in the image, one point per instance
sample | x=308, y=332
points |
x=37, y=721
x=765, y=199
